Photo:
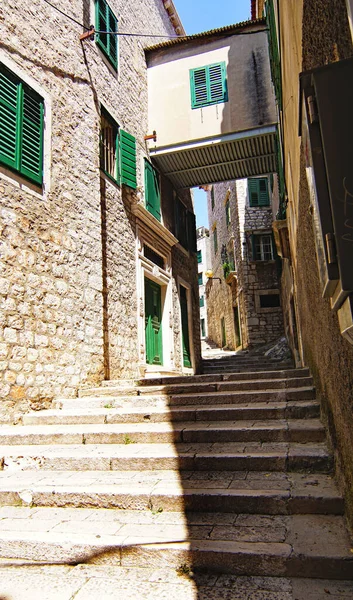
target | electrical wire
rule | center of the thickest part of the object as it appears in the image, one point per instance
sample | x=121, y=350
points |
x=150, y=35
x=109, y=32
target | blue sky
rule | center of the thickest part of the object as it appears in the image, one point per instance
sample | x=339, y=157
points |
x=202, y=15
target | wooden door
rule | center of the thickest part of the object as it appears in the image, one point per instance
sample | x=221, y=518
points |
x=153, y=323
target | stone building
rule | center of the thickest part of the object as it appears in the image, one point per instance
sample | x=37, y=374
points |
x=204, y=265
x=243, y=299
x=98, y=252
x=312, y=68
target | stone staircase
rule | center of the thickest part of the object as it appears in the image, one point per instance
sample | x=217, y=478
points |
x=225, y=473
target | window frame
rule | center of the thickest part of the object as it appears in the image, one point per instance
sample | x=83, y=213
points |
x=22, y=109
x=259, y=238
x=209, y=90
x=112, y=40
x=105, y=115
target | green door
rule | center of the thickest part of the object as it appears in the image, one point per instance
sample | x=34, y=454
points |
x=185, y=327
x=153, y=323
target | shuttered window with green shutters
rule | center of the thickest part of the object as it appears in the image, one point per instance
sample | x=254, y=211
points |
x=208, y=85
x=107, y=21
x=152, y=190
x=275, y=59
x=21, y=127
x=258, y=192
x=117, y=151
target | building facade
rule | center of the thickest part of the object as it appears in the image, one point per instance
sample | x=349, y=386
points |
x=311, y=59
x=98, y=251
x=204, y=265
x=243, y=299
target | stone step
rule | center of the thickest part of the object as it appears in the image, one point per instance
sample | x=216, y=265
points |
x=268, y=374
x=225, y=386
x=299, y=430
x=241, y=456
x=250, y=367
x=89, y=582
x=306, y=409
x=137, y=386
x=309, y=545
x=162, y=399
x=155, y=492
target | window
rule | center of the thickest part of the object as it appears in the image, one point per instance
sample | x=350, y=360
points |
x=275, y=59
x=203, y=328
x=208, y=85
x=202, y=301
x=212, y=198
x=21, y=127
x=199, y=256
x=258, y=192
x=153, y=256
x=117, y=152
x=227, y=209
x=200, y=278
x=185, y=227
x=269, y=301
x=152, y=190
x=215, y=240
x=107, y=21
x=109, y=145
x=262, y=247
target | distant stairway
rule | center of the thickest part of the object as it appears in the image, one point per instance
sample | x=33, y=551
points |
x=226, y=472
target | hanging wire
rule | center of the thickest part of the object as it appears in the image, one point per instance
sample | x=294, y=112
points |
x=109, y=32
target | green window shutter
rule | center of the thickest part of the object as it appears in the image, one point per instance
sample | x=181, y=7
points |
x=264, y=199
x=199, y=256
x=215, y=241
x=10, y=118
x=208, y=85
x=152, y=192
x=212, y=198
x=127, y=159
x=32, y=136
x=258, y=192
x=21, y=127
x=217, y=81
x=202, y=301
x=254, y=192
x=275, y=61
x=107, y=21
x=191, y=222
x=200, y=281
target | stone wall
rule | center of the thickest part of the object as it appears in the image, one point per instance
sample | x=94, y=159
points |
x=321, y=27
x=65, y=245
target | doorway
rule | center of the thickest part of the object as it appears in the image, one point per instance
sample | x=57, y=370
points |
x=153, y=323
x=185, y=327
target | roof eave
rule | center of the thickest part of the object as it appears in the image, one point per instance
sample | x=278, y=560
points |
x=174, y=17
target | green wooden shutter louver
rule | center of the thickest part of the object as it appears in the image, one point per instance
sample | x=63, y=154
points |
x=32, y=136
x=191, y=223
x=253, y=192
x=128, y=159
x=9, y=109
x=216, y=79
x=107, y=21
x=21, y=127
x=208, y=85
x=152, y=192
x=200, y=86
x=258, y=192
